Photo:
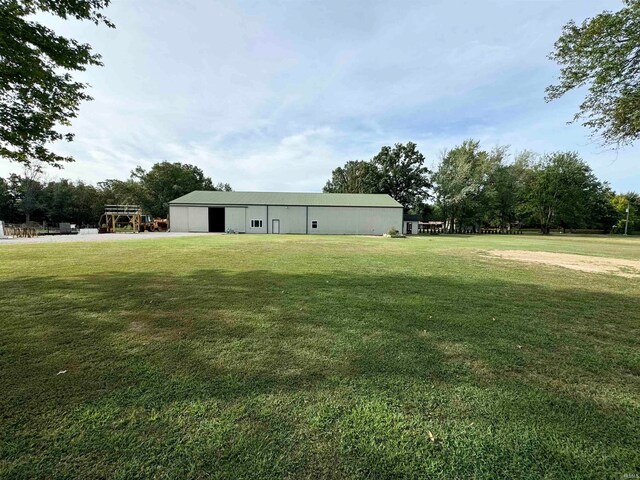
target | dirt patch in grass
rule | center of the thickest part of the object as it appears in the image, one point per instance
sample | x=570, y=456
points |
x=583, y=263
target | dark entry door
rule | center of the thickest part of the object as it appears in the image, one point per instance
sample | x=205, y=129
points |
x=216, y=219
x=409, y=228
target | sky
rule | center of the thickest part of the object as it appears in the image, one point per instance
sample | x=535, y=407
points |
x=272, y=95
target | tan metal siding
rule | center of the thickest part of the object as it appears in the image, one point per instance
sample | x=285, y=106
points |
x=354, y=220
x=256, y=212
x=235, y=219
x=292, y=219
x=179, y=219
x=198, y=219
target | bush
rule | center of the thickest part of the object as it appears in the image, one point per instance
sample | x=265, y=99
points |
x=392, y=232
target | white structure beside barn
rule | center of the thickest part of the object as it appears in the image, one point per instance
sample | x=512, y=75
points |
x=271, y=212
x=410, y=224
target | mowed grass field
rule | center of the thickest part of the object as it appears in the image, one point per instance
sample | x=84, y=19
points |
x=317, y=357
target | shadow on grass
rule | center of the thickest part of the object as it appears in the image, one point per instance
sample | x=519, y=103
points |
x=509, y=356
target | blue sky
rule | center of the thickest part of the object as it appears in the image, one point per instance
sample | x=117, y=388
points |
x=273, y=95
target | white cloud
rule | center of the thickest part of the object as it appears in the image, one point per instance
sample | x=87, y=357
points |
x=274, y=95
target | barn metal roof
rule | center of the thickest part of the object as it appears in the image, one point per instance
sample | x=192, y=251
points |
x=200, y=197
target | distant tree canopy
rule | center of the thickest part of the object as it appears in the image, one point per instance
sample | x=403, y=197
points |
x=562, y=190
x=603, y=53
x=621, y=202
x=473, y=188
x=166, y=181
x=356, y=176
x=37, y=91
x=26, y=196
x=402, y=174
x=465, y=182
x=398, y=171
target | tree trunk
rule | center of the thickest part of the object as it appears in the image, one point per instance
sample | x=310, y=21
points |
x=545, y=222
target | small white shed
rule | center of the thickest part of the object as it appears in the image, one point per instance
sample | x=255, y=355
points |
x=410, y=224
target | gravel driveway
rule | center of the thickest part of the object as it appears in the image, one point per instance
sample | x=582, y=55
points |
x=94, y=237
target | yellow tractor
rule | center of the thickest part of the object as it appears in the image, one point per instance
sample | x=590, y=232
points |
x=122, y=218
x=150, y=224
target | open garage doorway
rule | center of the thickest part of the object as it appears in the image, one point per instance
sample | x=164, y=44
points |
x=216, y=219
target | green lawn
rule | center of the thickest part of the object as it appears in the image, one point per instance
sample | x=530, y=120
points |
x=317, y=357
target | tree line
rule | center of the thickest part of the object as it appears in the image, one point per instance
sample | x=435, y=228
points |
x=473, y=188
x=29, y=197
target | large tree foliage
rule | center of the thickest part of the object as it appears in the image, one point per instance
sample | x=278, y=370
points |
x=620, y=203
x=475, y=188
x=37, y=91
x=398, y=171
x=167, y=181
x=561, y=190
x=355, y=177
x=402, y=174
x=154, y=189
x=599, y=210
x=78, y=203
x=6, y=201
x=603, y=53
x=122, y=192
x=26, y=196
x=464, y=184
x=508, y=187
x=27, y=188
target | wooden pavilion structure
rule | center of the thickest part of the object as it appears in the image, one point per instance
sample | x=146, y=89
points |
x=115, y=216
